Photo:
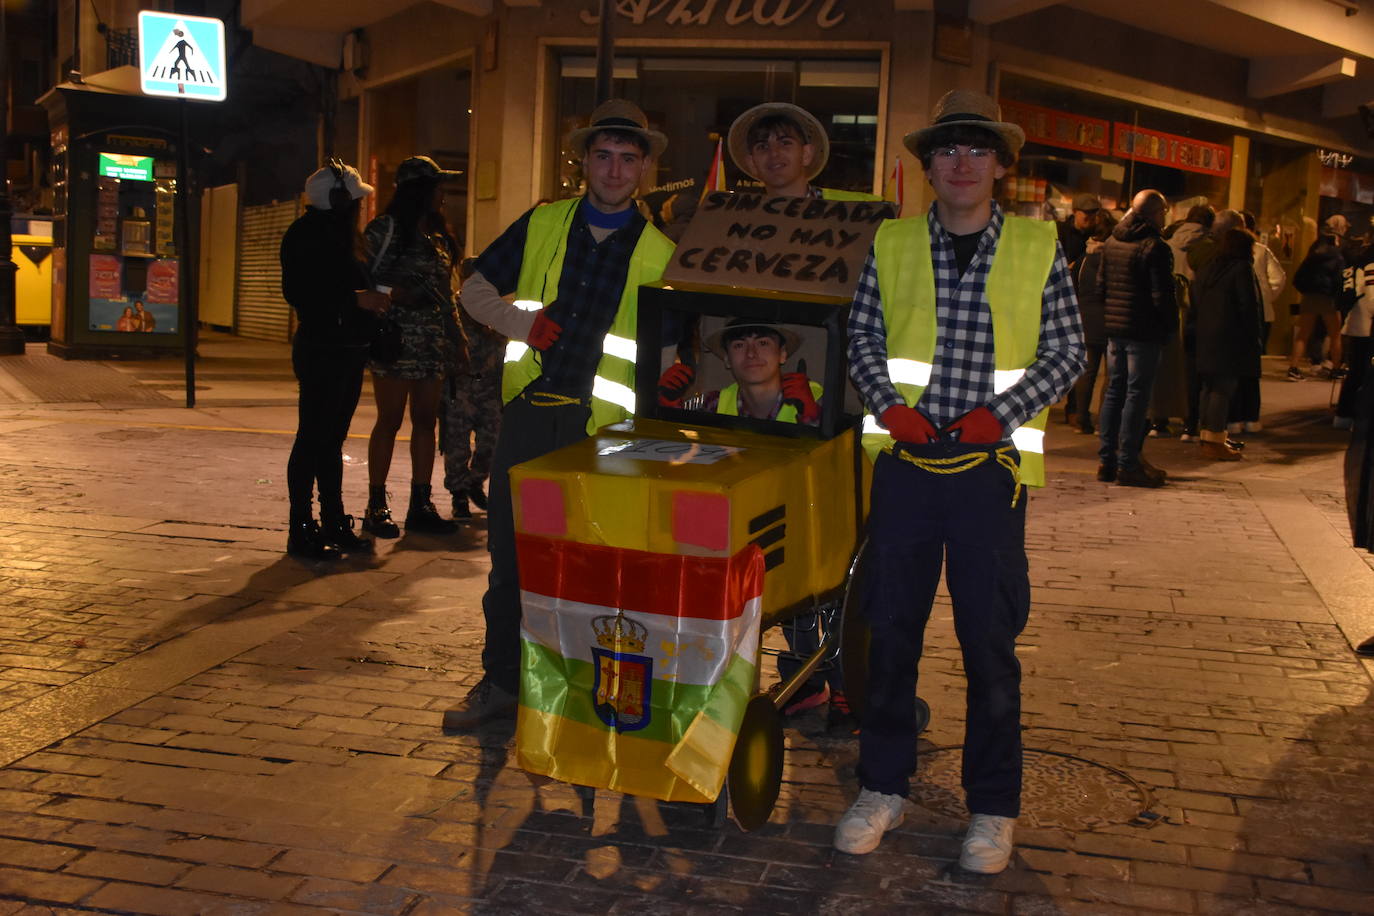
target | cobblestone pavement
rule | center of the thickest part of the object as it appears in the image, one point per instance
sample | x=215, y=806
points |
x=190, y=722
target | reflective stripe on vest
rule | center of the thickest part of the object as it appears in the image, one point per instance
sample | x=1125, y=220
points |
x=1015, y=290
x=727, y=402
x=541, y=268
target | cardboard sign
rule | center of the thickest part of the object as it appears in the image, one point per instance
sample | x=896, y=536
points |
x=784, y=244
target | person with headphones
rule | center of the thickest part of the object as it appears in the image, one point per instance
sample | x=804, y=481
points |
x=326, y=282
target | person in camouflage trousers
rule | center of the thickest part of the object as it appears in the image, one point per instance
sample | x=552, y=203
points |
x=470, y=416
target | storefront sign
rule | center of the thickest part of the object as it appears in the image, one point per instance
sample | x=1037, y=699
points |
x=779, y=13
x=1130, y=142
x=785, y=244
x=1059, y=128
x=106, y=277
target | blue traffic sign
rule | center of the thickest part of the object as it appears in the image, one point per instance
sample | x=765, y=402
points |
x=182, y=56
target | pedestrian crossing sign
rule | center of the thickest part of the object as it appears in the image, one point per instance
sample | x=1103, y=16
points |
x=181, y=56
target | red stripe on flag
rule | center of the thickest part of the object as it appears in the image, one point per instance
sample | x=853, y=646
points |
x=706, y=588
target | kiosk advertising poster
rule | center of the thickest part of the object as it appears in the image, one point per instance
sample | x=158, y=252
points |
x=141, y=298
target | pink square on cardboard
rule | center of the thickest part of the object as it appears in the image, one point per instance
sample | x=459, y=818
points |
x=701, y=519
x=541, y=508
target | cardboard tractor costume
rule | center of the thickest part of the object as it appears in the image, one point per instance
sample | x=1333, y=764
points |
x=653, y=553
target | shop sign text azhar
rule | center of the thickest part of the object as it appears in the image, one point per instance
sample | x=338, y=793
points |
x=734, y=12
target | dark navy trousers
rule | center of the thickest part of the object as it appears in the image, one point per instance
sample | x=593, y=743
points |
x=920, y=521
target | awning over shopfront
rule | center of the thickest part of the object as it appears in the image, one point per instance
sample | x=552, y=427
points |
x=314, y=30
x=1290, y=44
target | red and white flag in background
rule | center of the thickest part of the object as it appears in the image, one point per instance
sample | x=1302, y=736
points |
x=895, y=189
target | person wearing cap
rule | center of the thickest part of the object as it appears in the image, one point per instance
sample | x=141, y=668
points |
x=1077, y=228
x=785, y=147
x=1074, y=232
x=754, y=352
x=574, y=267
x=328, y=287
x=413, y=254
x=963, y=331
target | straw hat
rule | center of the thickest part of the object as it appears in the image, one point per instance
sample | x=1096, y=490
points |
x=791, y=340
x=815, y=135
x=619, y=114
x=964, y=106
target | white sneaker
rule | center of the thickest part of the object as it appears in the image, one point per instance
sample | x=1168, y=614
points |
x=1253, y=426
x=987, y=845
x=863, y=825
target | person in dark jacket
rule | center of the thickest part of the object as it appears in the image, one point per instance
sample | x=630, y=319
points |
x=1228, y=311
x=1077, y=228
x=1091, y=312
x=325, y=281
x=1319, y=279
x=1136, y=284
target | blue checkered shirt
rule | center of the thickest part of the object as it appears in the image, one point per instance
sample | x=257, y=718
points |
x=962, y=378
x=589, y=291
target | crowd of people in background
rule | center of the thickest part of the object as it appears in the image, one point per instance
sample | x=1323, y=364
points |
x=1180, y=314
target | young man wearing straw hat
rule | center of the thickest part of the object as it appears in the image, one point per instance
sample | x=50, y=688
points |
x=785, y=147
x=964, y=330
x=574, y=267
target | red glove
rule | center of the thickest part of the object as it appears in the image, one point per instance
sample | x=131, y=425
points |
x=977, y=427
x=673, y=384
x=544, y=331
x=907, y=424
x=796, y=390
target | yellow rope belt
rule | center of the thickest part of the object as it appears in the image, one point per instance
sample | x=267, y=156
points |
x=957, y=464
x=551, y=399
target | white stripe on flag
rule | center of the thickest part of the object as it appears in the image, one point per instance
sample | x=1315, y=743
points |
x=689, y=650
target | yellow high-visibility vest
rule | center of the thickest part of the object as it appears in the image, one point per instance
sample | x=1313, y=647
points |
x=1015, y=290
x=728, y=402
x=541, y=266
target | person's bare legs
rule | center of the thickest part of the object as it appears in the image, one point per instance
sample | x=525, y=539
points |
x=390, y=395
x=1332, y=320
x=1305, y=324
x=424, y=417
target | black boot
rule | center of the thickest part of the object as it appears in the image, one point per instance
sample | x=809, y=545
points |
x=460, y=506
x=423, y=517
x=304, y=540
x=478, y=496
x=377, y=518
x=338, y=530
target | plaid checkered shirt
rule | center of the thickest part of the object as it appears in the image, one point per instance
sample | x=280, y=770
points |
x=962, y=378
x=589, y=291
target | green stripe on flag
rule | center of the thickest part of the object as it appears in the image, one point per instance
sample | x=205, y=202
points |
x=554, y=684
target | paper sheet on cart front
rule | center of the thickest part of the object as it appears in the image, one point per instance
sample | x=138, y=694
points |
x=637, y=665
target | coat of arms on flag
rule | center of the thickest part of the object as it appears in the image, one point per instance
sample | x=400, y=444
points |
x=637, y=665
x=624, y=679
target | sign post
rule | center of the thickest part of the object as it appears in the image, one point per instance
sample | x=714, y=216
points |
x=183, y=57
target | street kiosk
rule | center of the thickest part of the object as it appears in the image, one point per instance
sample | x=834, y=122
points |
x=654, y=553
x=115, y=264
